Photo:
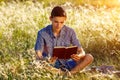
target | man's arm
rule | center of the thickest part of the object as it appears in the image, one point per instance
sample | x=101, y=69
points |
x=39, y=45
x=81, y=52
x=79, y=55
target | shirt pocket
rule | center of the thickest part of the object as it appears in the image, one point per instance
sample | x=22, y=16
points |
x=66, y=43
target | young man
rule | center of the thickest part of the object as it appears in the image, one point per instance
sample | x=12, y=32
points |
x=58, y=34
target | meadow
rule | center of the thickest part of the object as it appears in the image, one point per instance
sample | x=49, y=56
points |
x=97, y=28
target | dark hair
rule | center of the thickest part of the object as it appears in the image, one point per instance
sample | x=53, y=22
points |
x=58, y=11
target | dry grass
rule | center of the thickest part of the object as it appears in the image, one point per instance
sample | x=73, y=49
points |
x=98, y=30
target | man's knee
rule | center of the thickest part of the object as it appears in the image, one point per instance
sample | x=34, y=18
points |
x=89, y=58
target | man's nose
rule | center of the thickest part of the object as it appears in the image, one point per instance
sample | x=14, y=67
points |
x=58, y=24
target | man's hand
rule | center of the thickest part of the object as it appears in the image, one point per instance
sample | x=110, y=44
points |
x=53, y=60
x=75, y=57
x=79, y=55
x=39, y=55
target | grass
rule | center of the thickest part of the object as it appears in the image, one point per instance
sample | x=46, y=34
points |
x=98, y=30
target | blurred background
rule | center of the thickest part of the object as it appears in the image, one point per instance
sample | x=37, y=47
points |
x=96, y=22
x=111, y=3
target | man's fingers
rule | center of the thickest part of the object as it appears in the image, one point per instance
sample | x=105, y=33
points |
x=75, y=57
x=54, y=57
x=72, y=55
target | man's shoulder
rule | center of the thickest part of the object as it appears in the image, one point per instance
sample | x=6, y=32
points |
x=67, y=28
x=45, y=29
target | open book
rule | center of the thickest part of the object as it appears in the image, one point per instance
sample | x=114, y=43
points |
x=64, y=52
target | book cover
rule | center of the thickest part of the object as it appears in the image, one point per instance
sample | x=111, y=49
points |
x=64, y=52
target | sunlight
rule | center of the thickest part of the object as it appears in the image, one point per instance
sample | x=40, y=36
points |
x=113, y=3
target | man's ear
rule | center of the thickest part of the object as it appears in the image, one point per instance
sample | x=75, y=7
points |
x=50, y=18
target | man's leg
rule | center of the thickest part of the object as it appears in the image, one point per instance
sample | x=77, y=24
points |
x=82, y=64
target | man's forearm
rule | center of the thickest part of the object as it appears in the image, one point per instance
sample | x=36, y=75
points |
x=81, y=52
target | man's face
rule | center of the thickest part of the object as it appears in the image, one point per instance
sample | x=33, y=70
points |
x=57, y=22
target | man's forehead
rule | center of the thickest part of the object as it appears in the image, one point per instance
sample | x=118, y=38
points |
x=59, y=18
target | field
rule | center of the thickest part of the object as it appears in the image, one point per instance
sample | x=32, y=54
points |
x=97, y=28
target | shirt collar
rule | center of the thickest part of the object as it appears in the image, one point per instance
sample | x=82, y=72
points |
x=50, y=31
x=62, y=32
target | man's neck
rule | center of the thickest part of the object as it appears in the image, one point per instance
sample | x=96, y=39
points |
x=56, y=33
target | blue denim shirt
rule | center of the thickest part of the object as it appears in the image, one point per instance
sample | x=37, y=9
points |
x=46, y=40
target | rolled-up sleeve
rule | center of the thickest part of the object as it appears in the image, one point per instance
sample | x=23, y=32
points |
x=74, y=39
x=39, y=42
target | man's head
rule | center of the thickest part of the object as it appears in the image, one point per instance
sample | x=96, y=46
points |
x=58, y=12
x=58, y=17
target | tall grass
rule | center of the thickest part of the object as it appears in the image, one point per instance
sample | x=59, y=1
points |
x=97, y=3
x=98, y=30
